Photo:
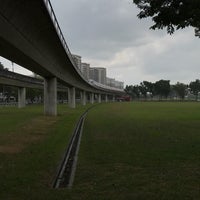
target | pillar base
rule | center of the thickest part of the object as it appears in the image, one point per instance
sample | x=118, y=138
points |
x=99, y=98
x=21, y=97
x=106, y=98
x=50, y=96
x=72, y=97
x=91, y=98
x=83, y=98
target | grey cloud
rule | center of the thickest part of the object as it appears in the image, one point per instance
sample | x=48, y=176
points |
x=100, y=28
x=109, y=33
x=180, y=58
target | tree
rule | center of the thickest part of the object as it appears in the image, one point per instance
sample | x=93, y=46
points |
x=149, y=86
x=180, y=89
x=162, y=88
x=133, y=91
x=143, y=89
x=9, y=91
x=136, y=91
x=32, y=93
x=195, y=86
x=128, y=89
x=172, y=14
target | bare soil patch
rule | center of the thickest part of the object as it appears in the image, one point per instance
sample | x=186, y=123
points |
x=33, y=131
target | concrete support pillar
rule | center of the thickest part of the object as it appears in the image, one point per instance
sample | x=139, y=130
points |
x=99, y=98
x=83, y=98
x=72, y=97
x=21, y=97
x=113, y=99
x=106, y=98
x=50, y=96
x=91, y=98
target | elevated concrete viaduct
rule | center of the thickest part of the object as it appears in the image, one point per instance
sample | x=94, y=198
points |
x=31, y=37
x=22, y=82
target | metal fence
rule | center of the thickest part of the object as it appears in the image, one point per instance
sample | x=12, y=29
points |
x=8, y=103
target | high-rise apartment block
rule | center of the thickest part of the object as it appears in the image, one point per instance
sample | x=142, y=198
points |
x=119, y=84
x=85, y=69
x=77, y=60
x=98, y=74
x=111, y=82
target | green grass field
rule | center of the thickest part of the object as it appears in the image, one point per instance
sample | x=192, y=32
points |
x=142, y=151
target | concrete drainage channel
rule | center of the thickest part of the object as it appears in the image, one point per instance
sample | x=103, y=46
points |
x=66, y=172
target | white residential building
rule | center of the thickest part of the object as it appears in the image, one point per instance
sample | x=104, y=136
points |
x=114, y=83
x=98, y=74
x=85, y=69
x=110, y=82
x=77, y=60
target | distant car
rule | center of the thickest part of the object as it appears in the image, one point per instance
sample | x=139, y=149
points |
x=11, y=99
x=124, y=98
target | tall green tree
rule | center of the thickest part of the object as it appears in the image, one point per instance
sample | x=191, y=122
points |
x=195, y=86
x=143, y=89
x=180, y=89
x=32, y=93
x=128, y=89
x=171, y=14
x=10, y=91
x=162, y=88
x=136, y=91
x=133, y=91
x=149, y=86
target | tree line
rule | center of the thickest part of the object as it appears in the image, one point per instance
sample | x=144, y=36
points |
x=162, y=89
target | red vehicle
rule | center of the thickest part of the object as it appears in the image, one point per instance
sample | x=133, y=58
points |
x=124, y=98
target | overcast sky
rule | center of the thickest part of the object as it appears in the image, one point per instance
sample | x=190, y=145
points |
x=107, y=33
